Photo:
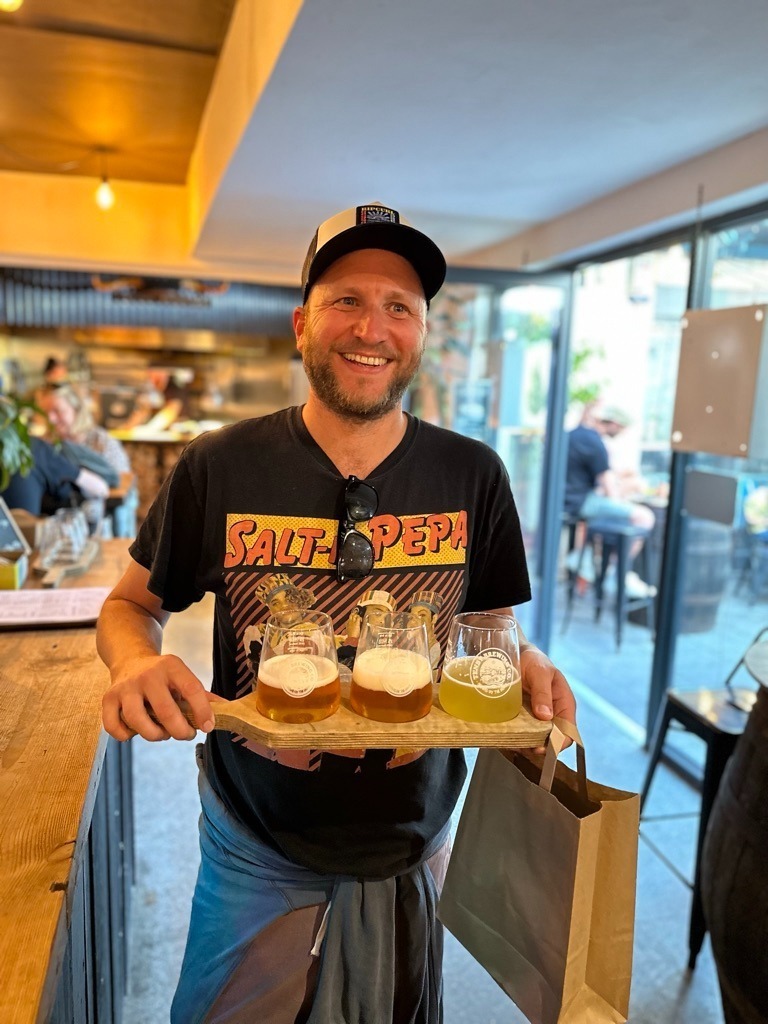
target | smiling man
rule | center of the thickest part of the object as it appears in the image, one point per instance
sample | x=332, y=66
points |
x=320, y=869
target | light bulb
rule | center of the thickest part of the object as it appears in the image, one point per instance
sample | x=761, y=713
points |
x=105, y=197
x=10, y=6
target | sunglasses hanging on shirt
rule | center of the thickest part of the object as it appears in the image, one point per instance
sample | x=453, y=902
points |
x=354, y=560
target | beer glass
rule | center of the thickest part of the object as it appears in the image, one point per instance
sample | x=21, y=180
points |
x=392, y=676
x=481, y=671
x=298, y=677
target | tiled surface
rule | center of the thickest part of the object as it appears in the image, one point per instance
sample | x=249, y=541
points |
x=166, y=823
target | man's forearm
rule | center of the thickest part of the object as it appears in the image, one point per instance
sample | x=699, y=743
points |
x=126, y=631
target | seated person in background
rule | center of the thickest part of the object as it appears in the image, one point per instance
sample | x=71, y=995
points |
x=53, y=482
x=90, y=446
x=593, y=490
x=81, y=439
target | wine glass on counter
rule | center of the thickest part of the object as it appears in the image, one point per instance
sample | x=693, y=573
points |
x=298, y=675
x=481, y=679
x=392, y=675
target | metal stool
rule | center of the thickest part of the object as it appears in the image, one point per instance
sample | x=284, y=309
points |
x=612, y=537
x=718, y=717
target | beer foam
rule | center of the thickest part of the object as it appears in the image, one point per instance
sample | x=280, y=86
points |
x=281, y=671
x=378, y=664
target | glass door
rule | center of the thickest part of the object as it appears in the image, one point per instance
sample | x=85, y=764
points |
x=488, y=373
x=625, y=339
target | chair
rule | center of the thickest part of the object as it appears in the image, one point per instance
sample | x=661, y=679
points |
x=718, y=718
x=610, y=538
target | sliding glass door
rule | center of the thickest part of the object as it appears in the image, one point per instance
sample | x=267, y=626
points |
x=488, y=372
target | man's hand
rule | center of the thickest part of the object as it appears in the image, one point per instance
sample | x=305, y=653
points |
x=155, y=680
x=549, y=692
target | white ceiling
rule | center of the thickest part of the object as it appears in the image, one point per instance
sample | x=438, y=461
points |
x=478, y=120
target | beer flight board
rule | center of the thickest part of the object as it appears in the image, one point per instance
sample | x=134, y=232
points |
x=345, y=730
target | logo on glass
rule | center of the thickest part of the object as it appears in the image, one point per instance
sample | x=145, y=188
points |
x=492, y=672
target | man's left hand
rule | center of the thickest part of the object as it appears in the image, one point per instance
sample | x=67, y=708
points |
x=549, y=692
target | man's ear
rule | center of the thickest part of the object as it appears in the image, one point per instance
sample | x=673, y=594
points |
x=299, y=320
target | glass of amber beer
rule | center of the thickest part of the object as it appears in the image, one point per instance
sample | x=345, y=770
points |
x=298, y=677
x=481, y=672
x=392, y=675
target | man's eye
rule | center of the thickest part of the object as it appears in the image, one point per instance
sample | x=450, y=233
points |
x=346, y=300
x=398, y=307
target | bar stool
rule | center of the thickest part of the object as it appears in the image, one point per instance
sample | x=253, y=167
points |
x=718, y=717
x=611, y=537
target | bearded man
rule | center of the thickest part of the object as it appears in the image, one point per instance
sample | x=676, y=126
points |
x=320, y=869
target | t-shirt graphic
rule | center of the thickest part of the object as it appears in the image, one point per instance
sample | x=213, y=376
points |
x=411, y=554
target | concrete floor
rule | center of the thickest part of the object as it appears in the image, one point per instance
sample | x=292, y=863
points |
x=166, y=846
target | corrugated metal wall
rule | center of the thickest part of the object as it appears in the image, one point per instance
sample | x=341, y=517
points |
x=53, y=298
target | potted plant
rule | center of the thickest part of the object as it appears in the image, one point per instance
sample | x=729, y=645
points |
x=15, y=443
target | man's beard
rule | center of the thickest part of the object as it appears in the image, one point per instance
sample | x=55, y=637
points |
x=325, y=385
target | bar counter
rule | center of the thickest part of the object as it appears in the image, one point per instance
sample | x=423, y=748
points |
x=66, y=839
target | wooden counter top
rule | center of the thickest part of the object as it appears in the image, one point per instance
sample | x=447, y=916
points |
x=51, y=754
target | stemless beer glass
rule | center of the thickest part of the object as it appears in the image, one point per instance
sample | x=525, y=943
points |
x=392, y=676
x=298, y=677
x=481, y=672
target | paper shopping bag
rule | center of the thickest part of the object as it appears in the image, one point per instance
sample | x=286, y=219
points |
x=540, y=887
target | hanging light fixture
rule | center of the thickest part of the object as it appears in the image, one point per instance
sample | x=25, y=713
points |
x=9, y=6
x=105, y=197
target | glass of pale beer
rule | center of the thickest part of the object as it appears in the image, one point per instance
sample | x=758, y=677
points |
x=392, y=675
x=481, y=672
x=298, y=676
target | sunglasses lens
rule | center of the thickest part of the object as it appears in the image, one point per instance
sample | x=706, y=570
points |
x=361, y=501
x=355, y=559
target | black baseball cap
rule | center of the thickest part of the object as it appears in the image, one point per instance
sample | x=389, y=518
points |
x=373, y=226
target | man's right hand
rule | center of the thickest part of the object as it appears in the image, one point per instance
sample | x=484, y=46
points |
x=155, y=680
x=129, y=639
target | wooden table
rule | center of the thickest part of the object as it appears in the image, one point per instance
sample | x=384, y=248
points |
x=55, y=819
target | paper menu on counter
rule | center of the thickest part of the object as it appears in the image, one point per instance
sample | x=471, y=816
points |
x=75, y=606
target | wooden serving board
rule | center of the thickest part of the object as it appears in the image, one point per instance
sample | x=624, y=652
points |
x=347, y=730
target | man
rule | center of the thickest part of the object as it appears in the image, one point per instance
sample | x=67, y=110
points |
x=594, y=492
x=317, y=888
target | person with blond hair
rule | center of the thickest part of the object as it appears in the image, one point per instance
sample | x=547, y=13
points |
x=88, y=445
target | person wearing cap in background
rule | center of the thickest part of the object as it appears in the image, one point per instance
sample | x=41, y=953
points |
x=317, y=889
x=593, y=490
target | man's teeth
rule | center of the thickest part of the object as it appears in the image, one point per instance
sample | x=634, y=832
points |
x=353, y=357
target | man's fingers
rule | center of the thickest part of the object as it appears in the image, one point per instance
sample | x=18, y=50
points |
x=113, y=720
x=135, y=715
x=541, y=700
x=188, y=687
x=166, y=712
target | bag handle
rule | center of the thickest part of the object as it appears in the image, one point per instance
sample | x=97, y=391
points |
x=561, y=728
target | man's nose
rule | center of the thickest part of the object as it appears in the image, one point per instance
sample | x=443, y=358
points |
x=369, y=325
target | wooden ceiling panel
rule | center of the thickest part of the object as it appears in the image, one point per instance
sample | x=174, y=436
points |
x=184, y=24
x=65, y=95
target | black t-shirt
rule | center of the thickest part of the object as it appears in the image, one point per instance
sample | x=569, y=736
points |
x=261, y=497
x=587, y=460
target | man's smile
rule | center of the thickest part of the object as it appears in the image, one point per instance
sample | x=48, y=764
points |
x=356, y=357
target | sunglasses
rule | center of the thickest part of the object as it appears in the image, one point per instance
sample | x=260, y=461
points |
x=354, y=560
